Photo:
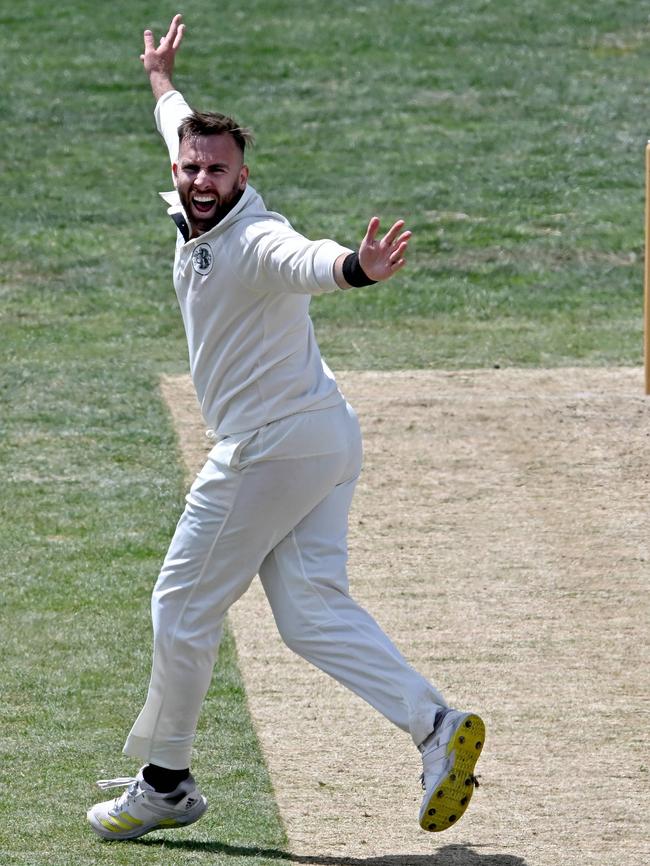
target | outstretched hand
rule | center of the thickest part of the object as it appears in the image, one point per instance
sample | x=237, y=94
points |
x=380, y=259
x=160, y=61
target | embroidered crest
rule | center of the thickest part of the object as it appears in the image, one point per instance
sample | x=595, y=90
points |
x=202, y=259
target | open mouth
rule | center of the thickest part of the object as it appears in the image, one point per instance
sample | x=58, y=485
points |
x=203, y=203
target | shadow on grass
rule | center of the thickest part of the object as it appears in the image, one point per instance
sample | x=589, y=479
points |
x=449, y=855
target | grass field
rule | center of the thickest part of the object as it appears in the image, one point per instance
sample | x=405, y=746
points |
x=511, y=137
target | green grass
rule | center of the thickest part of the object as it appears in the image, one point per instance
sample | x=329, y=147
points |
x=511, y=137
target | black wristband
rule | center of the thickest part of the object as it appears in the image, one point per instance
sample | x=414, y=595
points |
x=354, y=274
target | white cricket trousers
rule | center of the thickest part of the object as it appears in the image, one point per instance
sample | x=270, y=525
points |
x=272, y=502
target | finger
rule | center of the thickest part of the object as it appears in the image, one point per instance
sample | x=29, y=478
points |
x=179, y=36
x=371, y=232
x=149, y=43
x=173, y=29
x=392, y=232
x=405, y=236
x=398, y=253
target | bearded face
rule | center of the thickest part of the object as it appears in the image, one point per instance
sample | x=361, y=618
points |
x=210, y=178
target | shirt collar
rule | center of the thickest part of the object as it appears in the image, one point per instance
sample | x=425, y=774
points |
x=177, y=213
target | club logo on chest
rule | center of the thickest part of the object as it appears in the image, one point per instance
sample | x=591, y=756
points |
x=202, y=259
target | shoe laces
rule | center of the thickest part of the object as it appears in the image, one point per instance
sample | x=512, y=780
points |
x=130, y=782
x=120, y=782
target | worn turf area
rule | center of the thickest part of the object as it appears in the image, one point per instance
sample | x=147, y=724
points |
x=509, y=135
x=499, y=535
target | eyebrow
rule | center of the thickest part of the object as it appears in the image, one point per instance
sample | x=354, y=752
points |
x=185, y=163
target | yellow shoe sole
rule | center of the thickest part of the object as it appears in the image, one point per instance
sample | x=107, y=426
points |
x=450, y=798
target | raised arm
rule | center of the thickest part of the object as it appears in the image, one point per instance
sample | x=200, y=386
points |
x=159, y=62
x=376, y=260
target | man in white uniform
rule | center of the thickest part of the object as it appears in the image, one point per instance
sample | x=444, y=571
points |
x=274, y=495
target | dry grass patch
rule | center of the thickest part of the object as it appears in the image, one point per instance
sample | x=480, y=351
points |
x=499, y=533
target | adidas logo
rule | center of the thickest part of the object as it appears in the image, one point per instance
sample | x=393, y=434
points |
x=190, y=802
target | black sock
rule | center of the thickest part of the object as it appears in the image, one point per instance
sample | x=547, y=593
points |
x=162, y=780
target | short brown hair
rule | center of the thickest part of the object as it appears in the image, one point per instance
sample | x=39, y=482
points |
x=213, y=123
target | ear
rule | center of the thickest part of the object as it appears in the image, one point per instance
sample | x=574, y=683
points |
x=243, y=177
x=175, y=173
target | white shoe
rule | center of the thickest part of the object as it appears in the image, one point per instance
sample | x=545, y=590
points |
x=141, y=809
x=449, y=756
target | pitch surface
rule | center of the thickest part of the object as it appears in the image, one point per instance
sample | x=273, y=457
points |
x=499, y=534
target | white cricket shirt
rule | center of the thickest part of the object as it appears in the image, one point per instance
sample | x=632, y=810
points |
x=244, y=289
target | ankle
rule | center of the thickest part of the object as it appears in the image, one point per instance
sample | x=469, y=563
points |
x=163, y=780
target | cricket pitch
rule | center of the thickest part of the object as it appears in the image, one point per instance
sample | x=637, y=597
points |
x=500, y=535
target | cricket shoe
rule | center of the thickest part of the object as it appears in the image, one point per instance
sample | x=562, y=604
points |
x=141, y=809
x=449, y=756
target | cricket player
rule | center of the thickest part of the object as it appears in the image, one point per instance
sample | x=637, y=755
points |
x=273, y=497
